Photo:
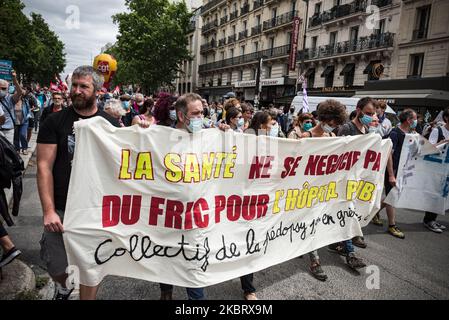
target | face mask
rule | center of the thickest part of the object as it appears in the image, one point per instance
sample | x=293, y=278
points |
x=414, y=124
x=3, y=93
x=125, y=105
x=195, y=125
x=212, y=112
x=372, y=130
x=327, y=128
x=220, y=112
x=274, y=131
x=307, y=126
x=366, y=119
x=140, y=104
x=241, y=123
x=12, y=89
x=172, y=115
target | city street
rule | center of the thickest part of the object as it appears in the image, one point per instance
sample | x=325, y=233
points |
x=413, y=268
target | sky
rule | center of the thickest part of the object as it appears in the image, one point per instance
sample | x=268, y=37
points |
x=95, y=30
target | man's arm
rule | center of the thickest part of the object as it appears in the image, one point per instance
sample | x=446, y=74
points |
x=19, y=93
x=46, y=155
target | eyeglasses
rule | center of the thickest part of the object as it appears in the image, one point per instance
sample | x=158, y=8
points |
x=3, y=88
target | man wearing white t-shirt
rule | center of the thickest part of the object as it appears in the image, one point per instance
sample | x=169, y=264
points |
x=439, y=135
x=385, y=125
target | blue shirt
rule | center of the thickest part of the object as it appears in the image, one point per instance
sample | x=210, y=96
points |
x=8, y=102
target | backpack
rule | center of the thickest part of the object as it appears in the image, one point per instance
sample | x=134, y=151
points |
x=11, y=168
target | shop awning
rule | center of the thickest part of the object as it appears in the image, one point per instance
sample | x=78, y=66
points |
x=309, y=72
x=327, y=71
x=421, y=98
x=347, y=69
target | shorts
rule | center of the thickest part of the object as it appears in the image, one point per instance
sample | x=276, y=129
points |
x=53, y=251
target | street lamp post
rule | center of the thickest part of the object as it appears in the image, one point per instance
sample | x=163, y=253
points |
x=258, y=84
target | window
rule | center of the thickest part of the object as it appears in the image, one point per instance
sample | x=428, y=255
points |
x=245, y=24
x=235, y=6
x=268, y=70
x=289, y=38
x=229, y=78
x=328, y=75
x=317, y=8
x=422, y=23
x=240, y=75
x=189, y=87
x=293, y=5
x=224, y=34
x=184, y=87
x=310, y=78
x=225, y=12
x=231, y=52
x=337, y=2
x=271, y=43
x=253, y=74
x=381, y=29
x=233, y=30
x=242, y=50
x=222, y=56
x=256, y=46
x=354, y=34
x=416, y=64
x=285, y=70
x=179, y=88
x=314, y=42
x=258, y=20
x=274, y=13
x=332, y=38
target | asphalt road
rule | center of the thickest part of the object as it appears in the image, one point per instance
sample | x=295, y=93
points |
x=414, y=268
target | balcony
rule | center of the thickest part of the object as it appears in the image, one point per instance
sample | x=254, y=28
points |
x=224, y=20
x=243, y=35
x=381, y=3
x=256, y=30
x=209, y=26
x=257, y=4
x=232, y=39
x=247, y=58
x=208, y=46
x=280, y=20
x=356, y=7
x=375, y=41
x=233, y=15
x=419, y=34
x=210, y=5
x=222, y=42
x=244, y=10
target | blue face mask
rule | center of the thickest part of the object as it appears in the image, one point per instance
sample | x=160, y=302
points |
x=307, y=126
x=366, y=119
x=414, y=124
x=274, y=132
x=241, y=123
x=125, y=105
x=195, y=125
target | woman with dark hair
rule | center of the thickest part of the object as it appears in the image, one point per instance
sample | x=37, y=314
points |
x=145, y=113
x=260, y=123
x=303, y=123
x=234, y=119
x=162, y=109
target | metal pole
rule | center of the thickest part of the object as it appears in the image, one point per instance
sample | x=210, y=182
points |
x=303, y=58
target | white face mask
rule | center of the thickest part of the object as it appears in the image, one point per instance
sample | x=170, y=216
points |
x=327, y=128
x=373, y=129
x=274, y=130
x=173, y=115
x=3, y=93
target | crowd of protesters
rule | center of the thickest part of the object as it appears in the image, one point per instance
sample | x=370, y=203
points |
x=24, y=109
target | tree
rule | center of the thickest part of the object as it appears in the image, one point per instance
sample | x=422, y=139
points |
x=152, y=42
x=35, y=50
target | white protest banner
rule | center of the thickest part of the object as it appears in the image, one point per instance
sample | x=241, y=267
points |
x=194, y=210
x=422, y=177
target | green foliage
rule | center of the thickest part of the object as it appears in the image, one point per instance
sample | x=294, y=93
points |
x=152, y=42
x=35, y=50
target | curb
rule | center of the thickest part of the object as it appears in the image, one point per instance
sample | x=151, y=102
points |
x=18, y=279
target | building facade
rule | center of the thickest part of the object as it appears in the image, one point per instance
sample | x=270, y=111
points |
x=187, y=79
x=349, y=42
x=236, y=34
x=420, y=69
